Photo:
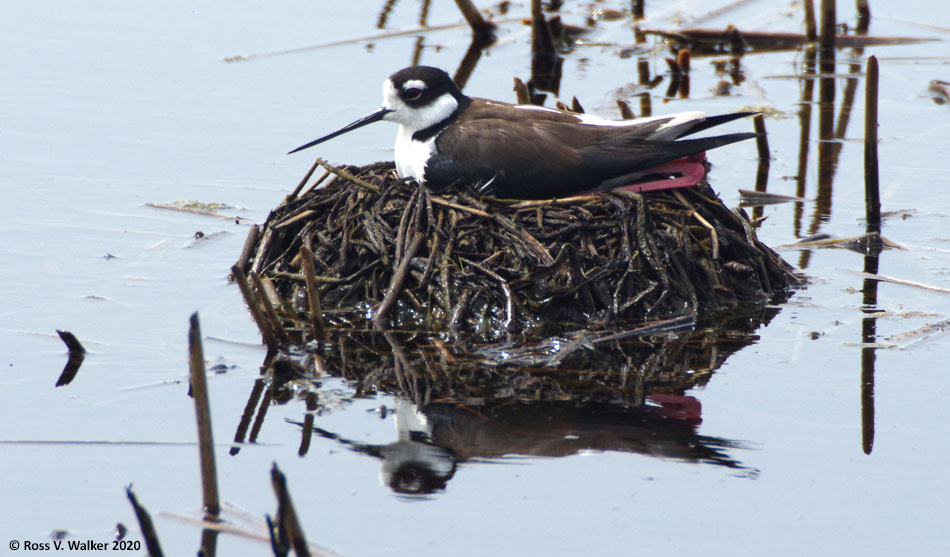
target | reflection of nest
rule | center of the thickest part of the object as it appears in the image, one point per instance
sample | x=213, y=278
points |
x=573, y=367
x=412, y=259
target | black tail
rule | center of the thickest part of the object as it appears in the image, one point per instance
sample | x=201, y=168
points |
x=638, y=154
x=655, y=153
x=713, y=121
x=707, y=143
x=673, y=150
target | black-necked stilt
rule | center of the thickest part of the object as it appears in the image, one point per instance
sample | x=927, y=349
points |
x=529, y=152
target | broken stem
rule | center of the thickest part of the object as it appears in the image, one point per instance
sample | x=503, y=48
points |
x=347, y=176
x=395, y=286
x=872, y=194
x=714, y=236
x=199, y=391
x=313, y=294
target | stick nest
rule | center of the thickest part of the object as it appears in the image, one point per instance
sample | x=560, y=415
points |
x=410, y=259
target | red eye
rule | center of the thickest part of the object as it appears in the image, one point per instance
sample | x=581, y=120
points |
x=412, y=93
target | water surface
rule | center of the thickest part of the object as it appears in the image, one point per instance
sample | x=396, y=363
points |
x=107, y=108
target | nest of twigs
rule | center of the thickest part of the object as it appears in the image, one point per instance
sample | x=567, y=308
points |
x=410, y=259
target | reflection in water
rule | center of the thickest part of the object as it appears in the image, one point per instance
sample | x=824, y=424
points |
x=76, y=356
x=540, y=398
x=383, y=19
x=939, y=91
x=415, y=463
x=831, y=142
x=831, y=134
x=545, y=61
x=827, y=151
x=804, y=121
x=432, y=442
x=472, y=55
x=868, y=351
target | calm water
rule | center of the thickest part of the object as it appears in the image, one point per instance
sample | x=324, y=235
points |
x=104, y=109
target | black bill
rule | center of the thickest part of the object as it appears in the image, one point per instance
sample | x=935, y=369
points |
x=369, y=119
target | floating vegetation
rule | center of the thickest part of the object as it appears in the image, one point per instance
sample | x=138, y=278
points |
x=751, y=198
x=210, y=209
x=731, y=39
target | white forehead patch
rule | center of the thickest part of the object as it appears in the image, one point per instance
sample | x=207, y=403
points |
x=414, y=83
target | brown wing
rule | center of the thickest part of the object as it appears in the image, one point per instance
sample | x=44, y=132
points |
x=545, y=154
x=513, y=160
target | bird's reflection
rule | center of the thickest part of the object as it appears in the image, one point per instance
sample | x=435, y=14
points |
x=415, y=463
x=431, y=442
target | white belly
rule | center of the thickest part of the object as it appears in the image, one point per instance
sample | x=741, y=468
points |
x=411, y=156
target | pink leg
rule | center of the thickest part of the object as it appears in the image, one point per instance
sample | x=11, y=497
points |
x=690, y=171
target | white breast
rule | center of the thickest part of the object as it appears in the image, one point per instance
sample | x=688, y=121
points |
x=411, y=156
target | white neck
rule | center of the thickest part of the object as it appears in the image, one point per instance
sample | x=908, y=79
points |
x=410, y=155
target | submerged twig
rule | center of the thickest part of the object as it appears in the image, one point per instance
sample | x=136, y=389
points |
x=651, y=328
x=858, y=242
x=902, y=282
